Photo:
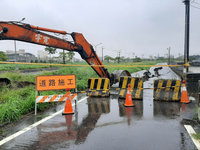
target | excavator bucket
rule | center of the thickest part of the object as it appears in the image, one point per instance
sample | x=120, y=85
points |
x=117, y=74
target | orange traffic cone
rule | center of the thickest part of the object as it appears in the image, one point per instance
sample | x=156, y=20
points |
x=68, y=105
x=128, y=101
x=184, y=94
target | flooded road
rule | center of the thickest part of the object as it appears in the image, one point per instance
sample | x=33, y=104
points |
x=194, y=69
x=104, y=123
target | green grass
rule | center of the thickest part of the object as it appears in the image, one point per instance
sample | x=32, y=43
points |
x=15, y=102
x=8, y=67
x=196, y=136
x=19, y=102
x=16, y=77
x=195, y=117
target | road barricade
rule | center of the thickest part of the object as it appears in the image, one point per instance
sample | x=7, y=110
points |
x=167, y=90
x=53, y=98
x=136, y=87
x=57, y=82
x=98, y=87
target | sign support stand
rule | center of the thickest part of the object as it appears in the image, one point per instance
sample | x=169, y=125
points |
x=36, y=93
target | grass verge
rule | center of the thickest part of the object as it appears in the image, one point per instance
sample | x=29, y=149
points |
x=8, y=67
x=196, y=136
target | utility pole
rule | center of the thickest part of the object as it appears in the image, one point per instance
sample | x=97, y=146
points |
x=15, y=51
x=187, y=32
x=64, y=56
x=96, y=46
x=168, y=55
x=16, y=67
x=102, y=52
x=119, y=57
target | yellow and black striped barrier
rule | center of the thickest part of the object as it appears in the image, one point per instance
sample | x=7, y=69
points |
x=98, y=106
x=167, y=90
x=136, y=87
x=98, y=87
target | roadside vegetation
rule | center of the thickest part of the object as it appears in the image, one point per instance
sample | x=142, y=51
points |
x=16, y=102
x=196, y=136
x=3, y=56
x=9, y=67
x=12, y=67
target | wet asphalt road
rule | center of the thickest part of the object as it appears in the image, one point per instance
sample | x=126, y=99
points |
x=194, y=69
x=104, y=123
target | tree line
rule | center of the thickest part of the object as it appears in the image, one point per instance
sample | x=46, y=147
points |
x=118, y=59
x=66, y=56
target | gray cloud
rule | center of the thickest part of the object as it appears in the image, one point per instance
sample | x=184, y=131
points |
x=132, y=26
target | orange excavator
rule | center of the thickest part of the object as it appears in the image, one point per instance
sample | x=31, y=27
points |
x=13, y=30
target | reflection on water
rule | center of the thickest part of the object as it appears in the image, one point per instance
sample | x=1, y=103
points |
x=129, y=112
x=167, y=109
x=98, y=105
x=70, y=130
x=184, y=107
x=137, y=109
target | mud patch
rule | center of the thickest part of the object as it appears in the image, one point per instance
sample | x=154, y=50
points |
x=189, y=122
x=4, y=81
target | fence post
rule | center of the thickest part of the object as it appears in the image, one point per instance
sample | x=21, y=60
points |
x=198, y=99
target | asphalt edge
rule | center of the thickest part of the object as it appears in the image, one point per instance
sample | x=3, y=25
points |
x=7, y=139
x=191, y=131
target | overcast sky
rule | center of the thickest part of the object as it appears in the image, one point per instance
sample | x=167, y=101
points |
x=140, y=27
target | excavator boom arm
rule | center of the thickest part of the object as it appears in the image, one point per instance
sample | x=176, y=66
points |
x=33, y=34
x=12, y=31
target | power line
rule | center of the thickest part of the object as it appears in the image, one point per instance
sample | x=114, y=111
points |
x=195, y=2
x=194, y=6
x=102, y=52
